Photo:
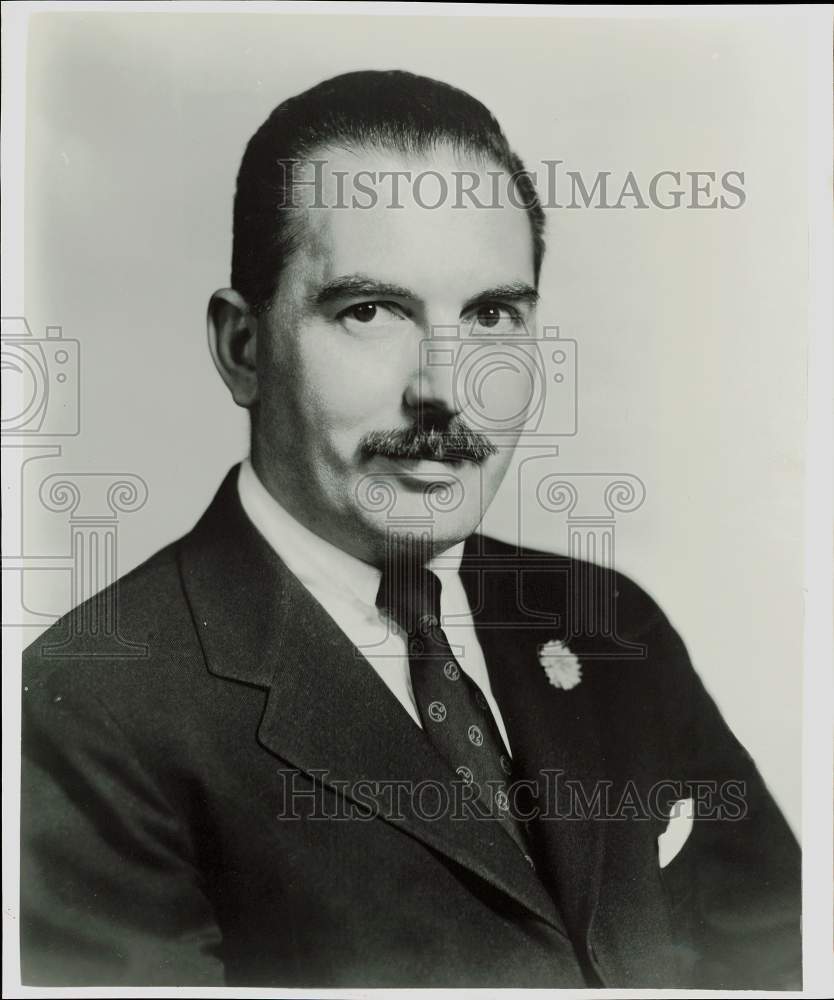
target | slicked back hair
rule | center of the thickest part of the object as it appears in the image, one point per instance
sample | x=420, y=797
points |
x=390, y=110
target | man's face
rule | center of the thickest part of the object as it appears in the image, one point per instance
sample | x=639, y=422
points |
x=386, y=398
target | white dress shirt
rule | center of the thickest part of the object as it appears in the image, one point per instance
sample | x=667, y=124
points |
x=346, y=587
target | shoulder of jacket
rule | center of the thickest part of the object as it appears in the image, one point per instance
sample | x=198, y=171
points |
x=638, y=612
x=114, y=628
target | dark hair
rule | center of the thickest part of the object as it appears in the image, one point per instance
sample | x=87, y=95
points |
x=385, y=109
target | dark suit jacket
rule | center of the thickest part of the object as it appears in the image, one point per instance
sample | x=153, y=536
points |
x=183, y=820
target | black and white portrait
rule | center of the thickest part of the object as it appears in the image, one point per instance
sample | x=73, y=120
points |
x=404, y=441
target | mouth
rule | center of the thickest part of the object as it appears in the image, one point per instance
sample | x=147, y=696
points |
x=423, y=470
x=413, y=461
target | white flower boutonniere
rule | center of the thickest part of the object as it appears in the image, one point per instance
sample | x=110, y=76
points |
x=563, y=669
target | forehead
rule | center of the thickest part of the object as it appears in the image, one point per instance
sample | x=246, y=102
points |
x=406, y=218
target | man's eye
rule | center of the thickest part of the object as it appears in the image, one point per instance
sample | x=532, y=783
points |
x=495, y=318
x=363, y=313
x=489, y=315
x=368, y=312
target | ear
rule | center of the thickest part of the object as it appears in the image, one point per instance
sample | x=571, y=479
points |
x=233, y=341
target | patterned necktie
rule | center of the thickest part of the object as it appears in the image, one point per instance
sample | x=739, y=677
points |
x=454, y=712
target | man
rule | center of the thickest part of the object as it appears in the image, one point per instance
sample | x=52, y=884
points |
x=367, y=746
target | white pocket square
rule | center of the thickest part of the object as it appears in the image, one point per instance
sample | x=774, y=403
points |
x=676, y=833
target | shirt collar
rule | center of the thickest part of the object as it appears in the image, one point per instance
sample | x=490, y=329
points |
x=316, y=562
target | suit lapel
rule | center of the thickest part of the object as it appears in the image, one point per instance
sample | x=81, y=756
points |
x=328, y=713
x=553, y=732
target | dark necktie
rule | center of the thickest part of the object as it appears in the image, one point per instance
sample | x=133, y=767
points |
x=454, y=712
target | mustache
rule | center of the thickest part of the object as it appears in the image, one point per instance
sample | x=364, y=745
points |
x=458, y=443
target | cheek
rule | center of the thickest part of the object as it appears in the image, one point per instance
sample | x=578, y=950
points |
x=498, y=388
x=495, y=470
x=346, y=383
x=476, y=488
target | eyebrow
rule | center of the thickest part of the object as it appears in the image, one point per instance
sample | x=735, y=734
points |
x=354, y=285
x=515, y=291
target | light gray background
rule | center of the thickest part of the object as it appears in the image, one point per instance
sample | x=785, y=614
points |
x=691, y=324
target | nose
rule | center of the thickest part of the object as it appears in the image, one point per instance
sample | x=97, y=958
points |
x=431, y=392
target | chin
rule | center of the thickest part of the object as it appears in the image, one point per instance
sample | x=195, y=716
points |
x=420, y=508
x=424, y=537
